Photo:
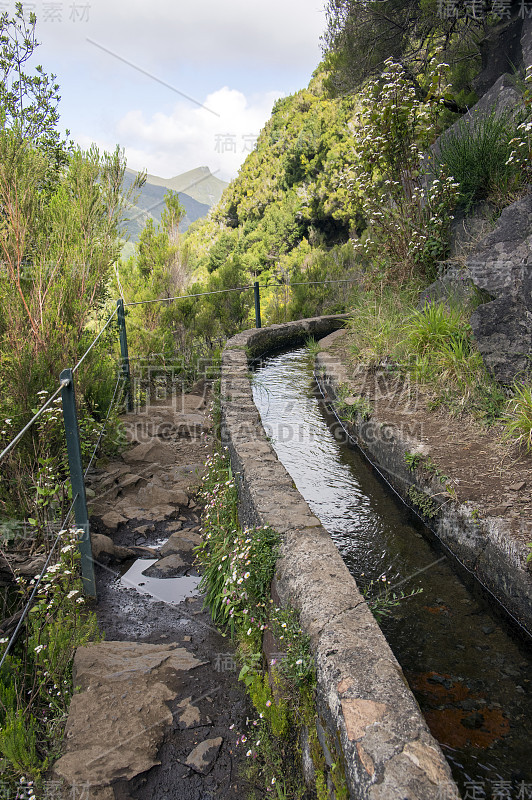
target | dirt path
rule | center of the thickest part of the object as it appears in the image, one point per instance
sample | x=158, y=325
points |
x=160, y=705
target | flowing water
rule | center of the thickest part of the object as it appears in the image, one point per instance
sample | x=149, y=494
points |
x=467, y=668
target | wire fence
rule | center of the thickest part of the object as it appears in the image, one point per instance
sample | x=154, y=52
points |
x=48, y=403
x=78, y=475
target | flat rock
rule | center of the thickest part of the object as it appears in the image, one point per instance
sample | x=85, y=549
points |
x=129, y=511
x=202, y=758
x=129, y=479
x=151, y=452
x=180, y=542
x=190, y=716
x=155, y=494
x=118, y=721
x=157, y=514
x=112, y=519
x=171, y=566
x=143, y=552
x=152, y=494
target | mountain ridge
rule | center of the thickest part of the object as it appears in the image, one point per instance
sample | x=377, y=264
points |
x=198, y=191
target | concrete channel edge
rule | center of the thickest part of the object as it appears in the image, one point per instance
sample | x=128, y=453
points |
x=363, y=700
x=483, y=547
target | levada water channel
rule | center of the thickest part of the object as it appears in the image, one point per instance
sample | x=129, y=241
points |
x=468, y=670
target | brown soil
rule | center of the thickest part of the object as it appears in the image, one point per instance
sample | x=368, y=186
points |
x=481, y=468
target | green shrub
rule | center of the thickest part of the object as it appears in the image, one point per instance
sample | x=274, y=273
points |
x=377, y=324
x=433, y=345
x=36, y=676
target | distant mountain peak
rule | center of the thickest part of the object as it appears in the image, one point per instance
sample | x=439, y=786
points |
x=198, y=183
x=198, y=190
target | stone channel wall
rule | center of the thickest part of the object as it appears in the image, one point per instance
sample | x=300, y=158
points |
x=365, y=708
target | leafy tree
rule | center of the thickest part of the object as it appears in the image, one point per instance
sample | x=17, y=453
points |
x=361, y=35
x=28, y=102
x=158, y=270
x=220, y=251
x=227, y=312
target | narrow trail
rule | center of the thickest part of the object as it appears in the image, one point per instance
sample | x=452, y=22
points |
x=159, y=706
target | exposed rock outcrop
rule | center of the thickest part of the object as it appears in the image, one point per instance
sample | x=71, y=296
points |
x=500, y=264
x=502, y=267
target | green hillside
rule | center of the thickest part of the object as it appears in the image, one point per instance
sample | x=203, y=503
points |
x=289, y=213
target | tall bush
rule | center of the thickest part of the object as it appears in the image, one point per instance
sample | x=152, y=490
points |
x=408, y=216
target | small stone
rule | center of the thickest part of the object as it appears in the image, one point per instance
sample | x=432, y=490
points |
x=129, y=479
x=169, y=567
x=440, y=680
x=187, y=638
x=499, y=511
x=143, y=529
x=202, y=758
x=516, y=487
x=144, y=552
x=487, y=629
x=112, y=520
x=104, y=549
x=473, y=721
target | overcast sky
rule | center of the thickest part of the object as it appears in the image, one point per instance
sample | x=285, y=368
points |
x=178, y=85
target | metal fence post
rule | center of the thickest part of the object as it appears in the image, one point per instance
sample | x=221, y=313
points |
x=77, y=480
x=257, y=304
x=126, y=374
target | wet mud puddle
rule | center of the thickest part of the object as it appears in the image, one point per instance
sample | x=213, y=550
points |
x=468, y=671
x=168, y=590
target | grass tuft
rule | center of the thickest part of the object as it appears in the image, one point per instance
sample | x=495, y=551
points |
x=476, y=153
x=517, y=420
x=433, y=345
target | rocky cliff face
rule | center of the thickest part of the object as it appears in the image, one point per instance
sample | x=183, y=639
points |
x=502, y=267
x=499, y=264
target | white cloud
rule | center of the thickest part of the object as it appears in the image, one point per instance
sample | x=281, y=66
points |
x=191, y=137
x=263, y=51
x=281, y=32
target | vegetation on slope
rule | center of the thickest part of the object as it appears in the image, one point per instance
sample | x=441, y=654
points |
x=60, y=225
